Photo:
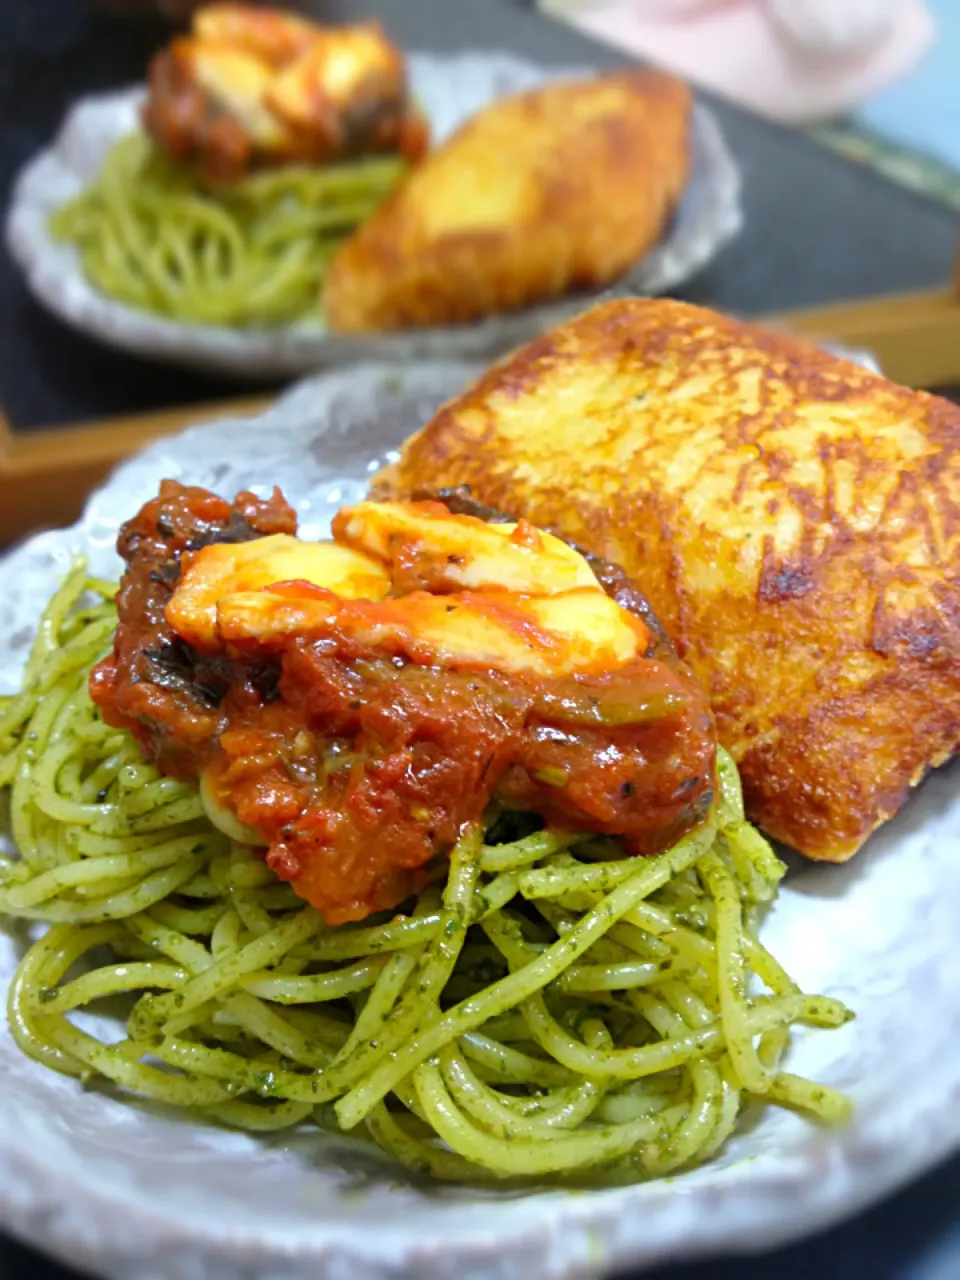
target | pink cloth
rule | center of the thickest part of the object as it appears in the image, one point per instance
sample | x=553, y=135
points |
x=798, y=61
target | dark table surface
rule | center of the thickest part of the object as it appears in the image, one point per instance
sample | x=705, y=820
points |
x=817, y=230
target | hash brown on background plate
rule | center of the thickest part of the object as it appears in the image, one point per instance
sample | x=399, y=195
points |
x=560, y=188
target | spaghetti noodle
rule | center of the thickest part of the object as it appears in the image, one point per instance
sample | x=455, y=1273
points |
x=251, y=253
x=544, y=1009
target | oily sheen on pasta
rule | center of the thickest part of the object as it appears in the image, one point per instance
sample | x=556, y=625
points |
x=545, y=1003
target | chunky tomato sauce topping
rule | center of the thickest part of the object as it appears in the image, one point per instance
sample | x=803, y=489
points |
x=356, y=765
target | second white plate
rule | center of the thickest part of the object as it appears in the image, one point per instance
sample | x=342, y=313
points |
x=451, y=89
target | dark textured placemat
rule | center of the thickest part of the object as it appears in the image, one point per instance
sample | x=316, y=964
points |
x=817, y=228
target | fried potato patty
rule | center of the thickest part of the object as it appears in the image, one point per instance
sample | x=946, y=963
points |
x=793, y=519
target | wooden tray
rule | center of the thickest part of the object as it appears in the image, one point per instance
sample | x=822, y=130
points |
x=45, y=476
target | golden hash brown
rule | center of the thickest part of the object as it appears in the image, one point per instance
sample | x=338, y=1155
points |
x=561, y=188
x=793, y=519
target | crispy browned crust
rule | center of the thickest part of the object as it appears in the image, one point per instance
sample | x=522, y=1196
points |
x=557, y=189
x=793, y=519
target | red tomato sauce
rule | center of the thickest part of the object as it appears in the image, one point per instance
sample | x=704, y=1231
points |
x=356, y=768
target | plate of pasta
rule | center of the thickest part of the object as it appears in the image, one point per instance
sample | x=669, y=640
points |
x=248, y=212
x=377, y=899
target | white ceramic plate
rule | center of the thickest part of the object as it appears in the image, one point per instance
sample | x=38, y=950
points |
x=138, y=1194
x=451, y=89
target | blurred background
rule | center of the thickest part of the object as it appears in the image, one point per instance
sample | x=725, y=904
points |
x=857, y=198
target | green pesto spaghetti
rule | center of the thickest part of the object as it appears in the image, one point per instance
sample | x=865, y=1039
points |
x=546, y=1008
x=252, y=253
